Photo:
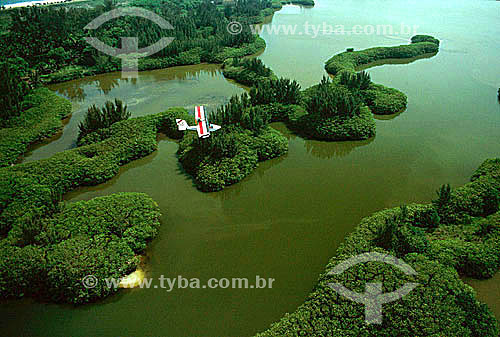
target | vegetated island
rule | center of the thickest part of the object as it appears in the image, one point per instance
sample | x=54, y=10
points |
x=340, y=109
x=380, y=99
x=457, y=234
x=47, y=247
x=327, y=111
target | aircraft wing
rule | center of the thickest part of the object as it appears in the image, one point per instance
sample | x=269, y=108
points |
x=199, y=113
x=202, y=129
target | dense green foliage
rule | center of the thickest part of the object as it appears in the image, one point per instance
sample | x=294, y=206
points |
x=424, y=38
x=352, y=60
x=43, y=240
x=229, y=155
x=51, y=39
x=103, y=118
x=40, y=119
x=359, y=81
x=282, y=91
x=334, y=112
x=49, y=257
x=383, y=100
x=13, y=88
x=380, y=99
x=327, y=100
x=247, y=71
x=441, y=305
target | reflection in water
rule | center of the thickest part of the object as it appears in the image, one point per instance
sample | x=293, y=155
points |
x=233, y=191
x=327, y=150
x=323, y=149
x=387, y=117
x=287, y=223
x=394, y=61
x=75, y=90
x=152, y=92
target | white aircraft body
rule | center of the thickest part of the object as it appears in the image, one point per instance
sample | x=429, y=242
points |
x=202, y=126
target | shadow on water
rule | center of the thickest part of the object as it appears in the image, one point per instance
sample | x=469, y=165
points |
x=328, y=150
x=395, y=61
x=233, y=191
x=387, y=117
x=324, y=149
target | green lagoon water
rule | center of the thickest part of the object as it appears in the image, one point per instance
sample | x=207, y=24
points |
x=286, y=219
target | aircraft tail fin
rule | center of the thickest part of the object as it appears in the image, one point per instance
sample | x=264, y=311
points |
x=181, y=124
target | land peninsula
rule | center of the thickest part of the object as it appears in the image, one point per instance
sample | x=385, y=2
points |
x=48, y=247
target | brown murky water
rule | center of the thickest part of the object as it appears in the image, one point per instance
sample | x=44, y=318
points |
x=286, y=219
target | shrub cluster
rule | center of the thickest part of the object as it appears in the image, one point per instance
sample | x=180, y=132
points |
x=282, y=91
x=247, y=71
x=441, y=305
x=100, y=237
x=96, y=118
x=13, y=87
x=334, y=112
x=380, y=99
x=230, y=154
x=40, y=120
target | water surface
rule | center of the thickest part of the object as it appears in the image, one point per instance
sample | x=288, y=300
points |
x=285, y=220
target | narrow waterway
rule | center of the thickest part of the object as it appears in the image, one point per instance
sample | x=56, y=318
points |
x=285, y=220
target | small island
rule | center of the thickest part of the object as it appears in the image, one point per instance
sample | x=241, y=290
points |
x=380, y=99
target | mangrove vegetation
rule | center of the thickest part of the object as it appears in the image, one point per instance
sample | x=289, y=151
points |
x=457, y=234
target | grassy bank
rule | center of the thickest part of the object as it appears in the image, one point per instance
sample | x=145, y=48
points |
x=438, y=247
x=41, y=120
